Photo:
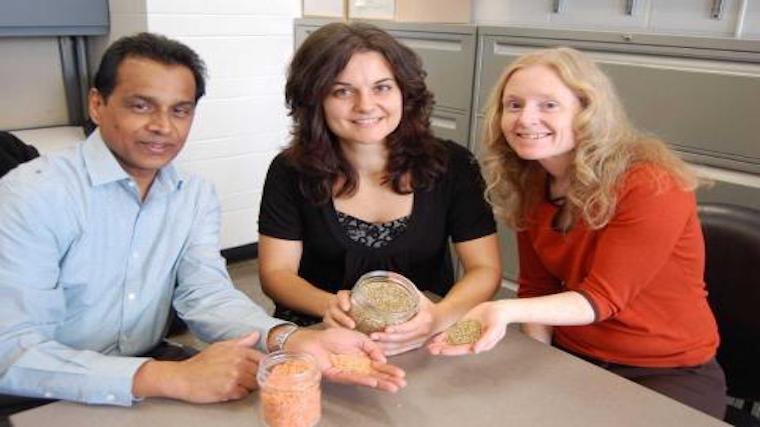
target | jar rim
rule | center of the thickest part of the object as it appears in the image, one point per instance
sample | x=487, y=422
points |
x=278, y=357
x=395, y=278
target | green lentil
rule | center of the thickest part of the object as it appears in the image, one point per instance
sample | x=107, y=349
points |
x=463, y=332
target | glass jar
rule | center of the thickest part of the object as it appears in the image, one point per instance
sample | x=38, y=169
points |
x=383, y=298
x=289, y=390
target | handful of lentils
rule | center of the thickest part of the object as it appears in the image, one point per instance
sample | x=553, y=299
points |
x=464, y=332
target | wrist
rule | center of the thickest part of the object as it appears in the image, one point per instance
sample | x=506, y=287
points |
x=279, y=336
x=156, y=379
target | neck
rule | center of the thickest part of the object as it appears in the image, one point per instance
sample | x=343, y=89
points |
x=144, y=181
x=368, y=160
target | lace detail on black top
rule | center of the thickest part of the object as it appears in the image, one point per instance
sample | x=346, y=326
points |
x=369, y=234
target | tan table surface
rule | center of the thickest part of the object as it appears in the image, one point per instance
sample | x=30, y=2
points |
x=519, y=383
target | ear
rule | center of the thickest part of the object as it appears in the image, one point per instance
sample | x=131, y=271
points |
x=95, y=102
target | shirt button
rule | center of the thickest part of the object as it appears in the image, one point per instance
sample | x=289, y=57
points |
x=131, y=296
x=48, y=394
x=110, y=398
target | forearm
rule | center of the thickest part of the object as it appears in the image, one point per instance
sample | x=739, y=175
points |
x=538, y=332
x=477, y=285
x=56, y=372
x=563, y=309
x=288, y=289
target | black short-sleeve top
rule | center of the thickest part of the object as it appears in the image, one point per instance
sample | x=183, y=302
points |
x=454, y=208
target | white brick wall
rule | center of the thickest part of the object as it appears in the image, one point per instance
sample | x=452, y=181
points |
x=242, y=122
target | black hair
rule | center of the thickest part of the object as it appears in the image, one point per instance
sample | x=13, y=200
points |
x=150, y=46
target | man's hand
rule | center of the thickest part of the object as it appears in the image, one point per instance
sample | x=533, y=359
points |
x=338, y=341
x=337, y=311
x=223, y=371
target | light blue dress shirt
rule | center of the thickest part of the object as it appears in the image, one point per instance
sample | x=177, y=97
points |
x=88, y=273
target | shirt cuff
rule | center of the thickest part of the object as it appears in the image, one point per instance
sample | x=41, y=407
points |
x=115, y=379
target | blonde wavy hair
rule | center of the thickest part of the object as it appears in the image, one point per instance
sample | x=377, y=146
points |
x=607, y=146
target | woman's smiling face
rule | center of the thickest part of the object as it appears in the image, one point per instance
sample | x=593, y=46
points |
x=538, y=114
x=364, y=105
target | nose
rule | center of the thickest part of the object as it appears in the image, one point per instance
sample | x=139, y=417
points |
x=365, y=101
x=160, y=122
x=528, y=116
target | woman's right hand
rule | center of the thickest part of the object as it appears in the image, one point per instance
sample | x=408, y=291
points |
x=337, y=311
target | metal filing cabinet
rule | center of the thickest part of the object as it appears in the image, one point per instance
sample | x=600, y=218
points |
x=448, y=54
x=701, y=95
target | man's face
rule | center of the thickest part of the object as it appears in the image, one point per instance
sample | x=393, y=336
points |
x=146, y=119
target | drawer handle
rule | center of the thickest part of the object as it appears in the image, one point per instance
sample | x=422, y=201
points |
x=718, y=8
x=427, y=44
x=558, y=6
x=630, y=7
x=443, y=123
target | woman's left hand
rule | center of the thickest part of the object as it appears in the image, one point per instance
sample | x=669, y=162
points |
x=411, y=334
x=492, y=316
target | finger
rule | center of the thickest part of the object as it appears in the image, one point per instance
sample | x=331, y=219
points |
x=397, y=337
x=410, y=326
x=343, y=319
x=390, y=385
x=373, y=350
x=344, y=300
x=488, y=340
x=247, y=380
x=252, y=355
x=329, y=321
x=439, y=338
x=456, y=350
x=389, y=370
x=249, y=340
x=338, y=376
x=237, y=393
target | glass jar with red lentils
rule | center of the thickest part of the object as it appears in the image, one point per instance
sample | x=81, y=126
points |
x=289, y=388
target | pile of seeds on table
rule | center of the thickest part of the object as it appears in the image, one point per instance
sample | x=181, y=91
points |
x=463, y=332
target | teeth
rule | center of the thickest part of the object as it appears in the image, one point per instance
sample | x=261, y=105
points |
x=533, y=135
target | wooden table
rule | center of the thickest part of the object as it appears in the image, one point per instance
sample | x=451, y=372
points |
x=519, y=383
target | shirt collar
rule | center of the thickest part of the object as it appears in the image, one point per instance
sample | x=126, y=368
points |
x=103, y=167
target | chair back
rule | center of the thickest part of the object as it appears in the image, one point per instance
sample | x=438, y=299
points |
x=732, y=274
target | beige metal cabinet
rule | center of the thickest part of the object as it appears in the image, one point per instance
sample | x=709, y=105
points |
x=703, y=17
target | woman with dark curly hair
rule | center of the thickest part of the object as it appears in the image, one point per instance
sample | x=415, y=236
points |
x=611, y=250
x=365, y=186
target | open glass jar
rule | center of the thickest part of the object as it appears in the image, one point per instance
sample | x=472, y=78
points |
x=382, y=298
x=290, y=390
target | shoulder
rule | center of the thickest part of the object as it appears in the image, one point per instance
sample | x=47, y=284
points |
x=47, y=177
x=51, y=190
x=649, y=177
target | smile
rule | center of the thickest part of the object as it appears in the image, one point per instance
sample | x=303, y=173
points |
x=367, y=121
x=533, y=135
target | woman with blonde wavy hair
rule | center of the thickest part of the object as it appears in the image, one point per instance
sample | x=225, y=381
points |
x=610, y=245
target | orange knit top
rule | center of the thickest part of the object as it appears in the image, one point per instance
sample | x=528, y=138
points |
x=642, y=274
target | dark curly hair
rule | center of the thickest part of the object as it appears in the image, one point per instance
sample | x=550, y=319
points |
x=314, y=150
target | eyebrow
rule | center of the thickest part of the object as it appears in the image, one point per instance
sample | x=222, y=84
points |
x=154, y=101
x=383, y=80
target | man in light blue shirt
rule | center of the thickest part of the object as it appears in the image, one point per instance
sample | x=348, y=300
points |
x=98, y=242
